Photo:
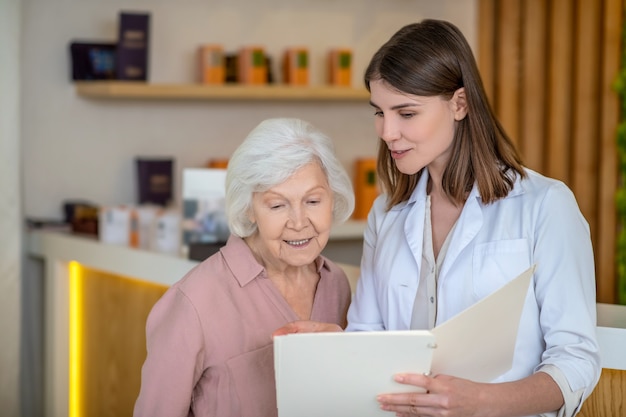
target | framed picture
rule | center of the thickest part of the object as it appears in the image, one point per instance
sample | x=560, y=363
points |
x=93, y=60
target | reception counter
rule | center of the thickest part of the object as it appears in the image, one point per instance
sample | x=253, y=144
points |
x=609, y=396
x=98, y=296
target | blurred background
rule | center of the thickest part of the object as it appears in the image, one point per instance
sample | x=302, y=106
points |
x=548, y=65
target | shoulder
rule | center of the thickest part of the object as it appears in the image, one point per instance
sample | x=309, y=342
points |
x=334, y=272
x=233, y=264
x=537, y=180
x=541, y=188
x=379, y=207
x=330, y=268
x=202, y=276
x=380, y=204
x=548, y=200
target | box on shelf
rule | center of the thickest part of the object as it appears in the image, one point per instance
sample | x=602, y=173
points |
x=221, y=163
x=133, y=46
x=365, y=187
x=166, y=232
x=145, y=227
x=154, y=180
x=340, y=67
x=231, y=68
x=204, y=214
x=143, y=230
x=252, y=66
x=82, y=215
x=93, y=60
x=116, y=223
x=296, y=66
x=212, y=64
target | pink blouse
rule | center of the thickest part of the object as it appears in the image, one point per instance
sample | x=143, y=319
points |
x=210, y=351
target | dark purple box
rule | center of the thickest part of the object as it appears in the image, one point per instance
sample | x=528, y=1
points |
x=155, y=180
x=133, y=46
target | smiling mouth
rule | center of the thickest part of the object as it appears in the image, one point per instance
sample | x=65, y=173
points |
x=298, y=242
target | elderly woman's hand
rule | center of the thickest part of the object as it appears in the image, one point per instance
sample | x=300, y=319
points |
x=307, y=326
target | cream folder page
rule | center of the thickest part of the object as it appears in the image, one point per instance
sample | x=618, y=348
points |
x=340, y=374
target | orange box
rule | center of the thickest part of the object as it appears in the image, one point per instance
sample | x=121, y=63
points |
x=296, y=66
x=212, y=64
x=217, y=163
x=133, y=238
x=340, y=67
x=252, y=65
x=365, y=187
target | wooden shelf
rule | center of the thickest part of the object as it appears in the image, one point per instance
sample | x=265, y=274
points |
x=147, y=91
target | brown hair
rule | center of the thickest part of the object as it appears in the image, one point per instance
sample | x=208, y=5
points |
x=433, y=58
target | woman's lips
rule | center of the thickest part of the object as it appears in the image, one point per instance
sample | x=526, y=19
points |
x=298, y=243
x=398, y=154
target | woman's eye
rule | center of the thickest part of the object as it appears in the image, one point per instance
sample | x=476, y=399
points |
x=378, y=113
x=407, y=115
x=276, y=206
x=313, y=202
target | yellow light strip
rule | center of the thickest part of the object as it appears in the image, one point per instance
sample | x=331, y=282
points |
x=76, y=314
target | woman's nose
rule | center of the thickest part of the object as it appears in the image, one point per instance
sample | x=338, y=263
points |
x=297, y=218
x=388, y=130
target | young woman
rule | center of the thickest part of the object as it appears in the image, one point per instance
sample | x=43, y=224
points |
x=459, y=217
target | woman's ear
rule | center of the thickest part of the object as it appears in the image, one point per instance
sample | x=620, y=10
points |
x=459, y=103
x=250, y=215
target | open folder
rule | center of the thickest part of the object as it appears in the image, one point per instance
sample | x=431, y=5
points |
x=340, y=374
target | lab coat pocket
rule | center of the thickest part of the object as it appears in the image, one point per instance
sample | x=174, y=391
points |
x=496, y=263
x=253, y=374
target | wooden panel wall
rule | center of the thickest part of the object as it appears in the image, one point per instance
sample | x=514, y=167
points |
x=548, y=66
x=114, y=313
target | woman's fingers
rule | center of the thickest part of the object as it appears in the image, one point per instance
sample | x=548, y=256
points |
x=421, y=402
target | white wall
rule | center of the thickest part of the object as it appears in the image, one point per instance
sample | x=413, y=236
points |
x=75, y=148
x=10, y=231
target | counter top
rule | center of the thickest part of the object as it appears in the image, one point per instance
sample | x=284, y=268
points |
x=612, y=335
x=154, y=267
x=166, y=269
x=159, y=268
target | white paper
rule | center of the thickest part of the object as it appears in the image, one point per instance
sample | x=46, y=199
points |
x=478, y=343
x=340, y=374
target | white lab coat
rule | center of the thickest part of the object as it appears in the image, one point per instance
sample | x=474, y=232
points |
x=539, y=222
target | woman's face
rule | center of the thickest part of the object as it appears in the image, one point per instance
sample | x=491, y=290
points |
x=293, y=218
x=418, y=130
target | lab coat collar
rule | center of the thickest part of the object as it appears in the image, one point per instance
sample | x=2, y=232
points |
x=468, y=225
x=418, y=194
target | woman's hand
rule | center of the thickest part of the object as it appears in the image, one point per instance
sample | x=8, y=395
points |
x=447, y=396
x=439, y=396
x=306, y=326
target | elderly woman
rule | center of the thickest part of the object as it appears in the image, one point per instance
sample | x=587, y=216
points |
x=209, y=342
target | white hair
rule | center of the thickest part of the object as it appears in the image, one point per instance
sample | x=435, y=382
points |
x=270, y=154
